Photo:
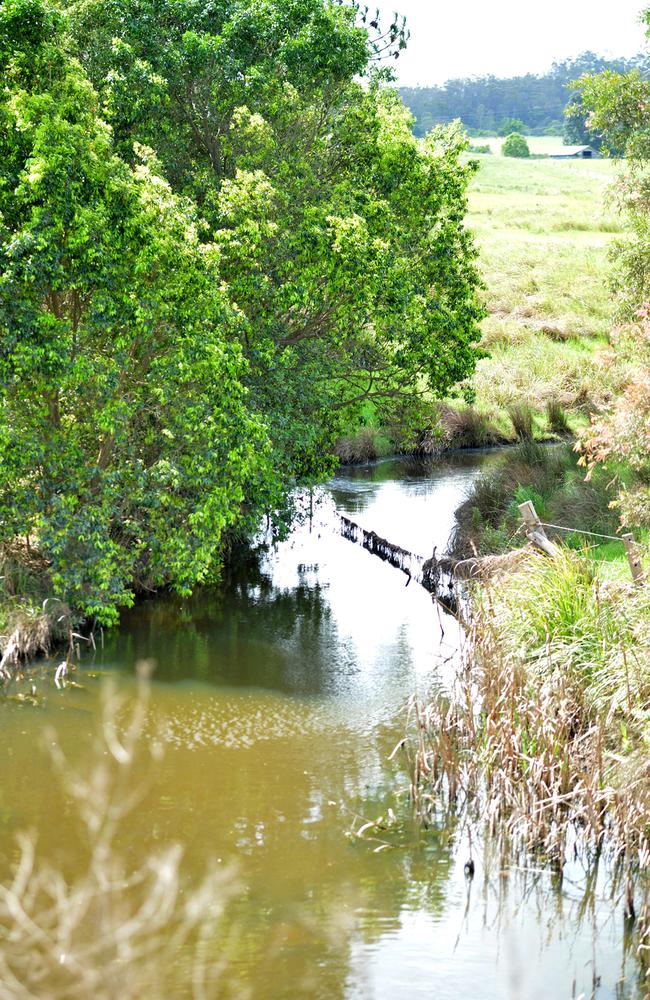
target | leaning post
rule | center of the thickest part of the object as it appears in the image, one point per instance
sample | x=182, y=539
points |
x=535, y=529
x=633, y=558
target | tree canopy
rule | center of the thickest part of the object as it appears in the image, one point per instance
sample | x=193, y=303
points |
x=217, y=242
x=515, y=145
x=618, y=109
x=618, y=105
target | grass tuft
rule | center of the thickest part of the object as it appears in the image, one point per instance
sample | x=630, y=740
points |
x=521, y=416
x=360, y=447
x=557, y=418
x=467, y=427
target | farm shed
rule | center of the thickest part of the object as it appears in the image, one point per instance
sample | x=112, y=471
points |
x=575, y=153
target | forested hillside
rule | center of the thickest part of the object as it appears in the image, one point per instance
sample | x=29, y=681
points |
x=486, y=103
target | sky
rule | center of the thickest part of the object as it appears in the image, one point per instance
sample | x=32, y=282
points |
x=454, y=38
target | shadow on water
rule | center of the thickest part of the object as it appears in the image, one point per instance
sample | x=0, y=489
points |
x=253, y=635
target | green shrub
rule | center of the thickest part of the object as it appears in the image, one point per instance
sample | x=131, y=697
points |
x=515, y=145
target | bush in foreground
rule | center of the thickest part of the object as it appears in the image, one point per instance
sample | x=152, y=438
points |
x=115, y=928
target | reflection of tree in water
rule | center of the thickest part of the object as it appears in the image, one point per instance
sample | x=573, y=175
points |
x=348, y=494
x=249, y=633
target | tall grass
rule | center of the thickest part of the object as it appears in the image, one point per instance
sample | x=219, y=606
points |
x=364, y=446
x=467, y=427
x=489, y=520
x=543, y=229
x=556, y=416
x=31, y=620
x=542, y=740
x=522, y=418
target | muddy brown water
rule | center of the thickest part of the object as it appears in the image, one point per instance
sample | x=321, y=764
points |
x=279, y=700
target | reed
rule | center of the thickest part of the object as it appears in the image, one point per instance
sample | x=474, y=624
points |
x=556, y=415
x=364, y=446
x=467, y=427
x=522, y=419
x=540, y=744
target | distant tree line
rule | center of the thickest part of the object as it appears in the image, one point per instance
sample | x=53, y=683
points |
x=489, y=105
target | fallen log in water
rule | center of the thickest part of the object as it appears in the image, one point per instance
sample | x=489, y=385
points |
x=435, y=574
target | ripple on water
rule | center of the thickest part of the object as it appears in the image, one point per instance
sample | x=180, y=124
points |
x=238, y=723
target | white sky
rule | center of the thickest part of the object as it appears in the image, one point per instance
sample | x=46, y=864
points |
x=453, y=38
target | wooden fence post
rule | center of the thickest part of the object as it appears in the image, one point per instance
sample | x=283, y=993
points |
x=535, y=530
x=633, y=558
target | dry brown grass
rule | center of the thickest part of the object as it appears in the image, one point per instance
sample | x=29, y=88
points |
x=357, y=448
x=467, y=427
x=541, y=742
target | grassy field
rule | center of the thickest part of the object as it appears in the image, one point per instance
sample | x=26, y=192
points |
x=539, y=145
x=544, y=230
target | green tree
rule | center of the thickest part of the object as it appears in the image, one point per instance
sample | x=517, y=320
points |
x=619, y=438
x=340, y=237
x=576, y=131
x=125, y=443
x=618, y=109
x=217, y=245
x=515, y=145
x=510, y=125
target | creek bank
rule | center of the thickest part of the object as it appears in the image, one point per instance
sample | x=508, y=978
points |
x=543, y=734
x=365, y=449
x=539, y=746
x=457, y=428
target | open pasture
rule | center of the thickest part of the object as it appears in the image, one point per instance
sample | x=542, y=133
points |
x=539, y=145
x=544, y=229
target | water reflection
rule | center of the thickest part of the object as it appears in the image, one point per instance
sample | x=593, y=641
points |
x=280, y=699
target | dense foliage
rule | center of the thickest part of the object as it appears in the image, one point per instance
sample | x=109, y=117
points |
x=125, y=443
x=515, y=145
x=489, y=104
x=619, y=108
x=216, y=244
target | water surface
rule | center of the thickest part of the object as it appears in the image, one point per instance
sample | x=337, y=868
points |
x=279, y=699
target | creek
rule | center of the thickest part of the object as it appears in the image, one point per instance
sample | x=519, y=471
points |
x=279, y=700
